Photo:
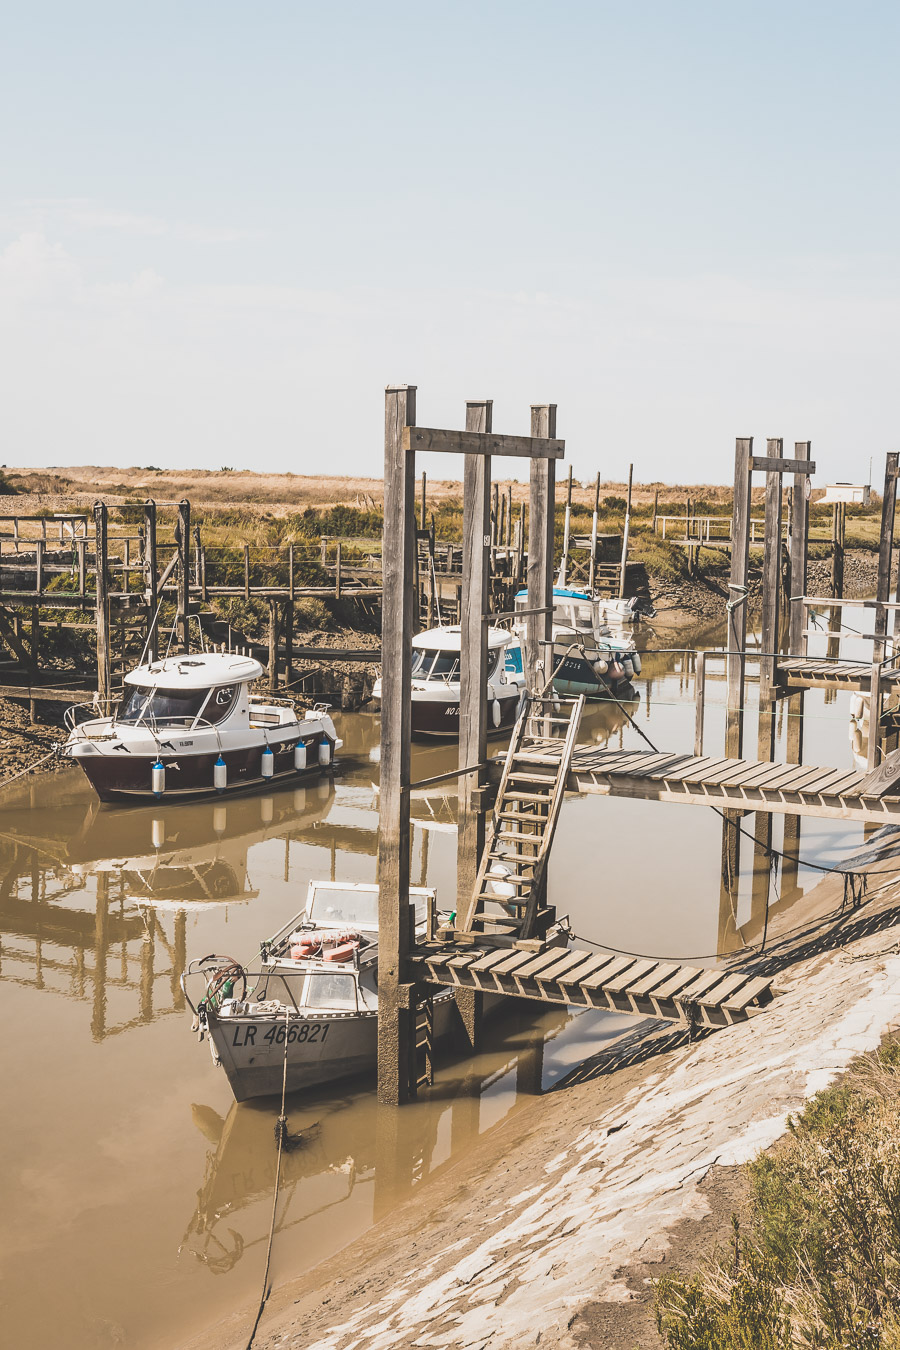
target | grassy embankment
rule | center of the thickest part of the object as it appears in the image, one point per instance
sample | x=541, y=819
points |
x=817, y=1263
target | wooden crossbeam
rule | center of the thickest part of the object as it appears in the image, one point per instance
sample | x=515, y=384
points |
x=770, y=464
x=480, y=443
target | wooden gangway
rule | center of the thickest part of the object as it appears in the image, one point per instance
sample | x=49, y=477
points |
x=735, y=784
x=808, y=672
x=641, y=986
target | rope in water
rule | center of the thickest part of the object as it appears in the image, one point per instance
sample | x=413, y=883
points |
x=280, y=1134
x=4, y=782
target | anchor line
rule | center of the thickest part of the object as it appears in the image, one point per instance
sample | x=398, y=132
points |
x=30, y=768
x=280, y=1135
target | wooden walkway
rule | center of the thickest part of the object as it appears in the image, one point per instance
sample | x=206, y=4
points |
x=738, y=784
x=806, y=672
x=625, y=984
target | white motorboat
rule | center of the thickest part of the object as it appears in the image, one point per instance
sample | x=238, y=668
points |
x=588, y=657
x=311, y=1000
x=188, y=726
x=436, y=675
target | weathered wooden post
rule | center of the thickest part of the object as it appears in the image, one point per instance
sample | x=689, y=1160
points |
x=564, y=561
x=183, y=542
x=768, y=661
x=541, y=521
x=592, y=570
x=422, y=524
x=273, y=643
x=624, y=563
x=797, y=646
x=151, y=579
x=883, y=583
x=473, y=683
x=102, y=604
x=396, y=1010
x=734, y=673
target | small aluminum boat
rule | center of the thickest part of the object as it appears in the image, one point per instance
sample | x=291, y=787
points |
x=188, y=726
x=436, y=687
x=311, y=999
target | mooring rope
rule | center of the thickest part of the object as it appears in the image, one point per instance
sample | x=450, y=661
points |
x=280, y=1135
x=4, y=782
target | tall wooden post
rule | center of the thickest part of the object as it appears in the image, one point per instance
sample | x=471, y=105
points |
x=592, y=572
x=883, y=584
x=273, y=643
x=184, y=555
x=737, y=602
x=797, y=645
x=422, y=524
x=102, y=605
x=768, y=662
x=564, y=562
x=473, y=682
x=396, y=1012
x=151, y=579
x=624, y=563
x=541, y=521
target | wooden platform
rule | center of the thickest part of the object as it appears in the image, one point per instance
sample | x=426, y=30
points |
x=625, y=984
x=738, y=784
x=806, y=672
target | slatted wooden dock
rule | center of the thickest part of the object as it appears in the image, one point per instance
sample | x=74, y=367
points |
x=580, y=978
x=806, y=672
x=738, y=784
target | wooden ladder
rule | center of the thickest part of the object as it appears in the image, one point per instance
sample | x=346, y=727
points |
x=512, y=872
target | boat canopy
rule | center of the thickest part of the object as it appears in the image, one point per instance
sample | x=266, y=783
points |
x=196, y=672
x=334, y=904
x=449, y=639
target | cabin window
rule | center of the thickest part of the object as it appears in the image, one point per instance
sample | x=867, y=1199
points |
x=493, y=663
x=418, y=658
x=331, y=991
x=584, y=616
x=173, y=707
x=221, y=702
x=445, y=666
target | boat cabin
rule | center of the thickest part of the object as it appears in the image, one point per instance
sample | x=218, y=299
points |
x=189, y=691
x=571, y=609
x=436, y=654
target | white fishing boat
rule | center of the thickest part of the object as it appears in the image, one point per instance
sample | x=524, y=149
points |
x=189, y=726
x=588, y=657
x=311, y=1000
x=436, y=676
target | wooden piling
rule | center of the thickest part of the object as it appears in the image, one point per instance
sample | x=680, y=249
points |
x=102, y=605
x=564, y=562
x=541, y=520
x=151, y=579
x=183, y=542
x=396, y=1010
x=883, y=584
x=624, y=562
x=592, y=567
x=473, y=710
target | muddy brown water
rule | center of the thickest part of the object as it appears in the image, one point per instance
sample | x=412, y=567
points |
x=136, y=1194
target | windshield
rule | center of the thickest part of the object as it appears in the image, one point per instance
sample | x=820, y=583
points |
x=331, y=991
x=337, y=906
x=174, y=706
x=445, y=666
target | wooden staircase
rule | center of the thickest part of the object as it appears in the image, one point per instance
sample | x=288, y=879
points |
x=507, y=905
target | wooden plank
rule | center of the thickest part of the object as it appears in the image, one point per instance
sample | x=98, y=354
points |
x=492, y=959
x=632, y=765
x=776, y=464
x=770, y=779
x=620, y=983
x=591, y=966
x=799, y=778
x=663, y=971
x=543, y=961
x=729, y=986
x=464, y=958
x=619, y=965
x=509, y=966
x=555, y=972
x=819, y=784
x=881, y=780
x=847, y=784
x=702, y=985
x=684, y=976
x=681, y=768
x=748, y=994
x=653, y=762
x=713, y=767
x=436, y=441
x=731, y=775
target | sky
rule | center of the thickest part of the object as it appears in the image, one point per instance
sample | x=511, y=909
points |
x=224, y=228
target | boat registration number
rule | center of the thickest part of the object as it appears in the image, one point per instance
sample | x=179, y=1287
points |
x=303, y=1031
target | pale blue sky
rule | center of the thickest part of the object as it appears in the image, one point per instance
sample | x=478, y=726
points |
x=225, y=227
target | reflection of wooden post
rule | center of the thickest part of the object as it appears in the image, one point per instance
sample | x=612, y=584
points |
x=147, y=954
x=184, y=574
x=101, y=946
x=396, y=1013
x=151, y=579
x=699, y=702
x=737, y=614
x=541, y=520
x=102, y=605
x=179, y=958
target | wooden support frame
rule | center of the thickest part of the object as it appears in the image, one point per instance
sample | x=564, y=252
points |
x=397, y=1077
